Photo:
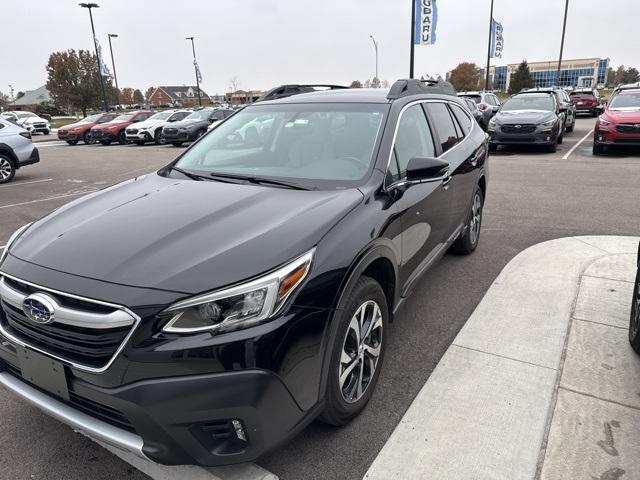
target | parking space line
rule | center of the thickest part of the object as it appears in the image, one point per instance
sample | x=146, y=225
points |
x=46, y=199
x=577, y=145
x=13, y=184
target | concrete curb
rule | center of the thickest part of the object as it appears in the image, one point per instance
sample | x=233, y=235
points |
x=486, y=410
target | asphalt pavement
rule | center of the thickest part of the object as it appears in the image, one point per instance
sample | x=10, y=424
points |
x=532, y=197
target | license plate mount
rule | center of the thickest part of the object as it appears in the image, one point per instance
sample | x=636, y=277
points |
x=43, y=372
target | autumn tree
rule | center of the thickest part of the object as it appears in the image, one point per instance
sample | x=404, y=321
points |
x=465, y=76
x=19, y=95
x=126, y=96
x=4, y=101
x=521, y=78
x=138, y=97
x=356, y=84
x=148, y=93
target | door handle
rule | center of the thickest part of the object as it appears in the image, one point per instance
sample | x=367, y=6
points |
x=446, y=182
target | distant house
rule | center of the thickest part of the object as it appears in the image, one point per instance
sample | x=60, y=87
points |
x=31, y=99
x=242, y=96
x=184, y=96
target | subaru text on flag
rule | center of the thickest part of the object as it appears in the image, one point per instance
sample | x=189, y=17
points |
x=207, y=312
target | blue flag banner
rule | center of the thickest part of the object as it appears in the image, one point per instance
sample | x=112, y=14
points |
x=104, y=70
x=497, y=41
x=424, y=30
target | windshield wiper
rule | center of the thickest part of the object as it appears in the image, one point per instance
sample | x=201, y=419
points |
x=192, y=176
x=260, y=181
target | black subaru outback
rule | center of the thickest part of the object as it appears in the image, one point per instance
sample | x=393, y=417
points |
x=206, y=312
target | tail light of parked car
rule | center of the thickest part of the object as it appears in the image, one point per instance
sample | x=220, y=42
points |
x=26, y=135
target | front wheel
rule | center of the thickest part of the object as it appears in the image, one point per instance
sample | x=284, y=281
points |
x=157, y=138
x=468, y=242
x=122, y=138
x=86, y=138
x=597, y=149
x=572, y=126
x=357, y=352
x=493, y=147
x=46, y=132
x=7, y=169
x=634, y=321
x=176, y=144
x=560, y=138
x=72, y=142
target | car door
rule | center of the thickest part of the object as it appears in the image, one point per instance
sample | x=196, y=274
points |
x=424, y=207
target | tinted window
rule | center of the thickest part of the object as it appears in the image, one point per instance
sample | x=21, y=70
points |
x=475, y=98
x=412, y=140
x=463, y=119
x=496, y=100
x=218, y=115
x=446, y=130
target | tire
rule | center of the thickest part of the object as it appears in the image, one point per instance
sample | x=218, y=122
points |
x=122, y=138
x=345, y=400
x=553, y=148
x=176, y=144
x=597, y=149
x=634, y=320
x=140, y=142
x=7, y=169
x=86, y=138
x=46, y=132
x=468, y=242
x=157, y=137
x=572, y=126
x=72, y=142
x=493, y=147
x=560, y=138
x=105, y=142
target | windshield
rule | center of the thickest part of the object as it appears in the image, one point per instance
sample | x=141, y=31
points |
x=91, y=118
x=122, y=118
x=199, y=115
x=529, y=102
x=160, y=116
x=581, y=94
x=25, y=115
x=315, y=145
x=625, y=100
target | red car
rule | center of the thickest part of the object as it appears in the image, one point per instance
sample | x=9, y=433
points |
x=620, y=122
x=587, y=100
x=75, y=132
x=114, y=131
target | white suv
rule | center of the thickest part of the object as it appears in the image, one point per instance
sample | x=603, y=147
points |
x=29, y=121
x=16, y=149
x=150, y=129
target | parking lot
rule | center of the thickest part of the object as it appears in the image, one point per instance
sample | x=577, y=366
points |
x=532, y=197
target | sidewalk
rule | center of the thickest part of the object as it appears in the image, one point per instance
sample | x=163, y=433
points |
x=539, y=383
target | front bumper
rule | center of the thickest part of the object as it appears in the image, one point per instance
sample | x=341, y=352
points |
x=103, y=136
x=534, y=138
x=611, y=137
x=139, y=135
x=187, y=136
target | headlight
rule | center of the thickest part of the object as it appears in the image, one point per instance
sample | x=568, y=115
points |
x=550, y=123
x=240, y=306
x=603, y=122
x=12, y=239
x=493, y=123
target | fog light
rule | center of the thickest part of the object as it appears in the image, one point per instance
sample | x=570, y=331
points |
x=548, y=138
x=237, y=426
x=600, y=138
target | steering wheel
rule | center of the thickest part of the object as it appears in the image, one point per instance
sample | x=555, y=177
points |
x=356, y=161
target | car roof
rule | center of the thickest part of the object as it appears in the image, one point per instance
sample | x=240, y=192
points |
x=629, y=91
x=471, y=94
x=536, y=94
x=347, y=95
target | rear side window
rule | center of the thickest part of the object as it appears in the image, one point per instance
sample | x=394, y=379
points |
x=463, y=119
x=413, y=139
x=446, y=134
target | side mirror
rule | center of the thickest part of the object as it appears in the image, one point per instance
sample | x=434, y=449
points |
x=426, y=168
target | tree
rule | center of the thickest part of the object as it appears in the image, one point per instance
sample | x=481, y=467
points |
x=4, y=101
x=19, y=95
x=630, y=75
x=73, y=80
x=234, y=83
x=138, y=97
x=356, y=84
x=521, y=78
x=126, y=96
x=465, y=76
x=148, y=93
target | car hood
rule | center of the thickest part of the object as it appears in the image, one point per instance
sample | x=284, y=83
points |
x=623, y=116
x=150, y=123
x=73, y=126
x=524, y=116
x=31, y=120
x=109, y=125
x=190, y=123
x=182, y=235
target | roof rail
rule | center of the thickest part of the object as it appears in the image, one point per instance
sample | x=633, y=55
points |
x=413, y=86
x=627, y=86
x=284, y=91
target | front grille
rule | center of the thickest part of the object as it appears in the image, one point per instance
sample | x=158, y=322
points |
x=622, y=128
x=97, y=410
x=515, y=129
x=40, y=125
x=170, y=131
x=132, y=131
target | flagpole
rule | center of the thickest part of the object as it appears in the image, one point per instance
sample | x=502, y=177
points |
x=486, y=81
x=413, y=34
x=89, y=6
x=564, y=27
x=195, y=67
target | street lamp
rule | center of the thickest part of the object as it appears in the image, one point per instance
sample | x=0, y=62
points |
x=89, y=6
x=115, y=76
x=564, y=28
x=195, y=67
x=375, y=45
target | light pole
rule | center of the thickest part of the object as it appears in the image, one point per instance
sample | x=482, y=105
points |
x=375, y=45
x=486, y=80
x=195, y=67
x=95, y=44
x=113, y=63
x=564, y=28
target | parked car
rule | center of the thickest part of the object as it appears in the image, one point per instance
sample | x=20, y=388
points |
x=194, y=125
x=619, y=124
x=487, y=102
x=208, y=311
x=475, y=111
x=634, y=321
x=566, y=106
x=528, y=118
x=81, y=130
x=29, y=121
x=151, y=129
x=114, y=130
x=587, y=100
x=16, y=149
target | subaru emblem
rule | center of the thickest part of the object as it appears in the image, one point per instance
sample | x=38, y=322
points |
x=39, y=308
x=518, y=126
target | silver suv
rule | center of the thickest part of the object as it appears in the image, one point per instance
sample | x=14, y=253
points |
x=16, y=149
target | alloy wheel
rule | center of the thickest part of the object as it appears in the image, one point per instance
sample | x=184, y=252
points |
x=5, y=168
x=635, y=320
x=360, y=351
x=476, y=219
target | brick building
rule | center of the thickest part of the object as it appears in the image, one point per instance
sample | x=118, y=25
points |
x=184, y=96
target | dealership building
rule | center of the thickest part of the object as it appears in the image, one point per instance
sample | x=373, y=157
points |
x=582, y=72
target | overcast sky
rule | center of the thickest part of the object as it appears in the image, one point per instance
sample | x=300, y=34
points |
x=270, y=42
